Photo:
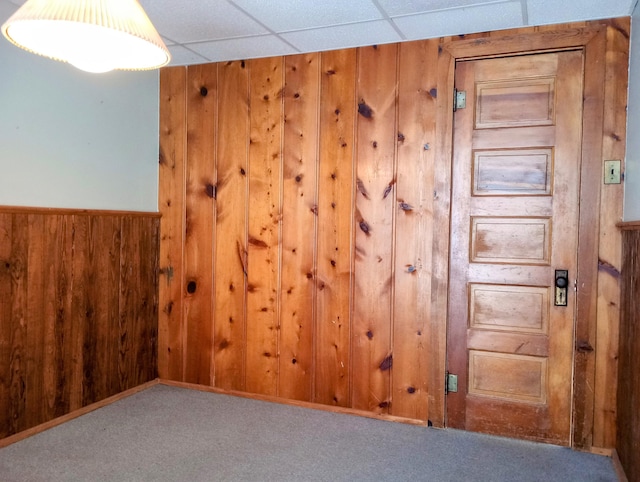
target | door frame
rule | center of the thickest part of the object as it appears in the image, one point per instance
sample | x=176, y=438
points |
x=592, y=39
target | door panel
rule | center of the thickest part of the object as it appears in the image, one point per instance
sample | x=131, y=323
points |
x=514, y=221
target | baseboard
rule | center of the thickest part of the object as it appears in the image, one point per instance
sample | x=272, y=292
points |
x=75, y=414
x=295, y=403
x=601, y=451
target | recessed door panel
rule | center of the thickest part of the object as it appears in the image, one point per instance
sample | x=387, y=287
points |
x=522, y=309
x=512, y=172
x=510, y=103
x=510, y=240
x=508, y=376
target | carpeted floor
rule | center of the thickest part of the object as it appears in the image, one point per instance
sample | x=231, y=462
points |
x=174, y=434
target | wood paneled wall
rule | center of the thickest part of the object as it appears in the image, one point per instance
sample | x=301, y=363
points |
x=78, y=310
x=305, y=232
x=628, y=445
x=298, y=263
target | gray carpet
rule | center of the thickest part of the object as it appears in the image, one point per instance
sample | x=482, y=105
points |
x=173, y=434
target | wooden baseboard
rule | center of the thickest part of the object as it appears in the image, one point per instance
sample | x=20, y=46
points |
x=295, y=403
x=601, y=451
x=75, y=414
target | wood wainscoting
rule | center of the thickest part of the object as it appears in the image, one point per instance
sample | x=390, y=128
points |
x=305, y=205
x=628, y=443
x=78, y=310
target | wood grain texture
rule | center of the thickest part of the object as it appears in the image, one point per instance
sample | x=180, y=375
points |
x=336, y=186
x=78, y=313
x=199, y=223
x=60, y=251
x=99, y=350
x=628, y=433
x=6, y=233
x=609, y=250
x=138, y=302
x=265, y=217
x=230, y=265
x=372, y=355
x=412, y=265
x=299, y=215
x=34, y=393
x=441, y=205
x=17, y=381
x=586, y=316
x=171, y=187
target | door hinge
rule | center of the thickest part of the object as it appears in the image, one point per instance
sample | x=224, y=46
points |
x=450, y=383
x=459, y=99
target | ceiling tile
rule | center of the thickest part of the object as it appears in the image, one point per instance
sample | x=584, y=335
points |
x=461, y=20
x=542, y=12
x=282, y=16
x=343, y=36
x=243, y=48
x=6, y=10
x=395, y=7
x=199, y=21
x=183, y=56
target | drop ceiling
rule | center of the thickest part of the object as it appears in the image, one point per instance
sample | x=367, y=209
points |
x=200, y=31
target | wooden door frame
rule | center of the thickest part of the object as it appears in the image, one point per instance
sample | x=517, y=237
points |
x=593, y=41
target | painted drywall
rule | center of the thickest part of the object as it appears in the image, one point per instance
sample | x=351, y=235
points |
x=69, y=139
x=632, y=165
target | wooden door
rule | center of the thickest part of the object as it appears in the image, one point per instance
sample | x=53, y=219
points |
x=514, y=221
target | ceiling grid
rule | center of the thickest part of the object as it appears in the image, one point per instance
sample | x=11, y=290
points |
x=201, y=31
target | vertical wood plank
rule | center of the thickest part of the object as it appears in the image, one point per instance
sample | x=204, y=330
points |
x=100, y=306
x=586, y=313
x=34, y=327
x=108, y=332
x=80, y=310
x=199, y=223
x=6, y=323
x=374, y=218
x=87, y=307
x=18, y=357
x=265, y=171
x=34, y=376
x=299, y=212
x=230, y=266
x=138, y=336
x=127, y=319
x=60, y=248
x=610, y=256
x=146, y=261
x=334, y=250
x=441, y=205
x=416, y=135
x=171, y=205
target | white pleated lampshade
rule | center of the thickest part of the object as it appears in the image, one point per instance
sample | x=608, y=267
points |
x=92, y=35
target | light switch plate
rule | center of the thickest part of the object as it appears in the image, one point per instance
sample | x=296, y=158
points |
x=612, y=172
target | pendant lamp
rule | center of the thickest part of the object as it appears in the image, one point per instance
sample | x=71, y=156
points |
x=92, y=35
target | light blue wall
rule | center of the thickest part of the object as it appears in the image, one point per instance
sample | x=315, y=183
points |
x=69, y=139
x=632, y=168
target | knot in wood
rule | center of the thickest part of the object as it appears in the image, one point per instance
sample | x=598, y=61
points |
x=191, y=287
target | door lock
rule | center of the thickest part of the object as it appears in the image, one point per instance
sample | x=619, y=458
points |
x=562, y=284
